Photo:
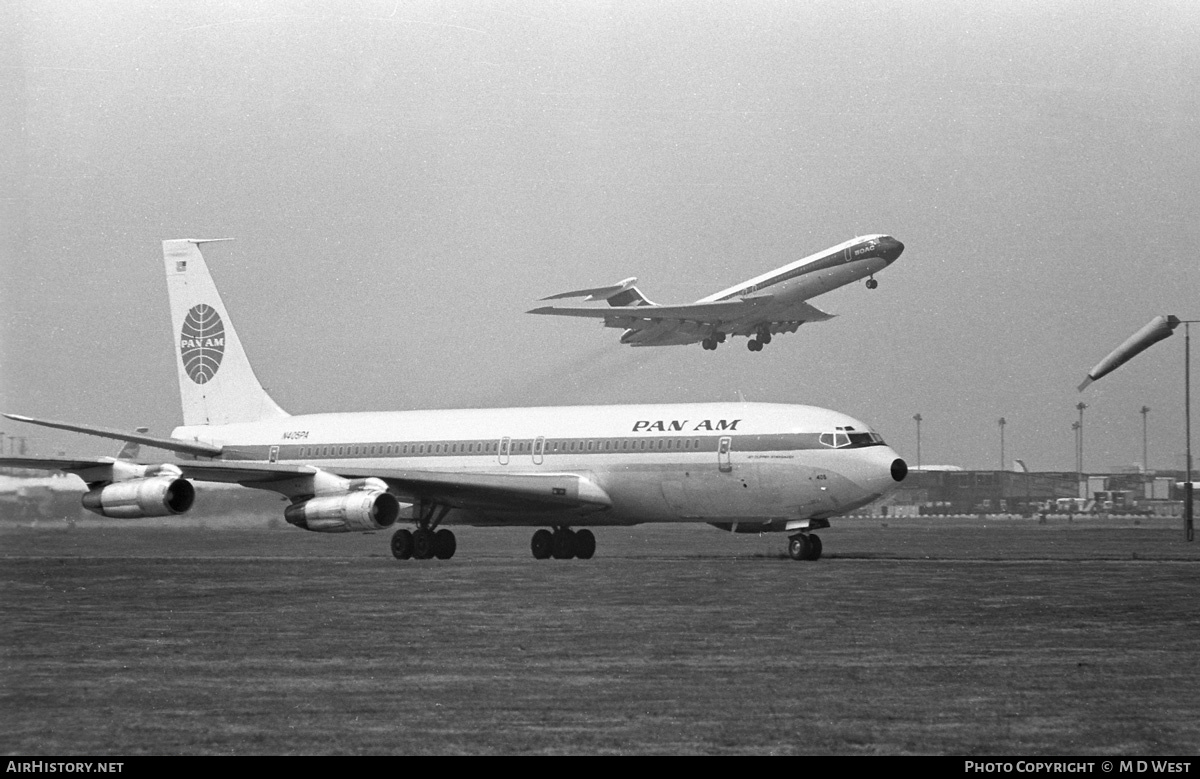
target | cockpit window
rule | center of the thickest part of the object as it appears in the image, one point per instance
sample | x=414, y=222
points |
x=848, y=438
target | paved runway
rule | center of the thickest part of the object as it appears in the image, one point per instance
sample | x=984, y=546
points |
x=964, y=637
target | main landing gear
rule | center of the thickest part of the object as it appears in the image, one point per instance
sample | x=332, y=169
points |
x=563, y=544
x=804, y=546
x=426, y=541
x=761, y=339
x=711, y=342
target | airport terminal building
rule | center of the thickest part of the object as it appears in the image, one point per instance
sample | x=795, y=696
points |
x=948, y=490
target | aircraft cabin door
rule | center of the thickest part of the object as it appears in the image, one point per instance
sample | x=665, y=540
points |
x=723, y=447
x=505, y=444
x=539, y=448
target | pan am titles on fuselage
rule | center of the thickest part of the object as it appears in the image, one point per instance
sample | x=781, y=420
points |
x=758, y=308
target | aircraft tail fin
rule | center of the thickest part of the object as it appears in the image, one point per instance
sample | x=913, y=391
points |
x=217, y=385
x=623, y=293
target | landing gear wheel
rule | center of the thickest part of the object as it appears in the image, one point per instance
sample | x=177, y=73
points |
x=754, y=346
x=804, y=546
x=564, y=544
x=402, y=544
x=709, y=344
x=444, y=544
x=872, y=283
x=585, y=544
x=542, y=544
x=422, y=544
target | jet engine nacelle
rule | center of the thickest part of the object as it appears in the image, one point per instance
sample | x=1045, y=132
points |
x=360, y=510
x=157, y=496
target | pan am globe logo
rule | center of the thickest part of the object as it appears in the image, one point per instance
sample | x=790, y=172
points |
x=202, y=343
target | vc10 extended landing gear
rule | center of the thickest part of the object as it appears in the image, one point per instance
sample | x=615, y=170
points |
x=761, y=339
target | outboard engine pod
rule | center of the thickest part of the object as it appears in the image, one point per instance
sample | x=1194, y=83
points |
x=159, y=496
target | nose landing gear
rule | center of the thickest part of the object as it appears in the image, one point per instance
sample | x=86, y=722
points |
x=872, y=283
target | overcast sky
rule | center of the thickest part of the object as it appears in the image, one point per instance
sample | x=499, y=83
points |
x=405, y=180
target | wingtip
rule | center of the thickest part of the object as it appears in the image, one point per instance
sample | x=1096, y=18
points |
x=1086, y=382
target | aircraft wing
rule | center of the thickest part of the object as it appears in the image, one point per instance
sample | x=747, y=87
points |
x=100, y=468
x=462, y=489
x=624, y=316
x=799, y=313
x=170, y=444
x=497, y=490
x=467, y=490
x=78, y=465
x=654, y=325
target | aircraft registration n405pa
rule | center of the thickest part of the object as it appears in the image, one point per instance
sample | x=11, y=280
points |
x=744, y=467
x=758, y=308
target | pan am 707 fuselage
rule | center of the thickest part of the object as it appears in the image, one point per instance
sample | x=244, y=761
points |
x=739, y=466
x=757, y=308
x=761, y=465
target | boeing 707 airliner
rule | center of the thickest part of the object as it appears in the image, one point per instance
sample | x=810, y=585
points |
x=758, y=308
x=744, y=467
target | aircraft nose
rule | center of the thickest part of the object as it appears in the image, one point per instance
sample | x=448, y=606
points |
x=881, y=470
x=890, y=248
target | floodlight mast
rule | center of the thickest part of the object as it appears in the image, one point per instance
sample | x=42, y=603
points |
x=1188, y=487
x=1156, y=330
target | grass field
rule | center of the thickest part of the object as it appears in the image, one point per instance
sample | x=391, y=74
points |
x=921, y=636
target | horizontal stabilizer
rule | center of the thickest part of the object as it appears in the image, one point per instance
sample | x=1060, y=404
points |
x=170, y=444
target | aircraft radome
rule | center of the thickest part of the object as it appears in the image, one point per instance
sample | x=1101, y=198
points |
x=758, y=308
x=744, y=467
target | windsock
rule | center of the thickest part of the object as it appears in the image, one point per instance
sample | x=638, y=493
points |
x=1157, y=329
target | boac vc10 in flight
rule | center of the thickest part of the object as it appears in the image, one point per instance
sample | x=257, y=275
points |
x=743, y=467
x=758, y=308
